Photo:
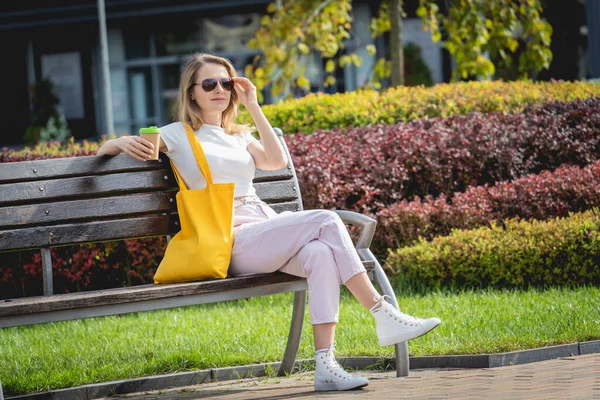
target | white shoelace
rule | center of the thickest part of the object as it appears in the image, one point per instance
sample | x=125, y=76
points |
x=385, y=306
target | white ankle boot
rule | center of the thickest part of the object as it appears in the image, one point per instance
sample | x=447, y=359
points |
x=396, y=327
x=329, y=375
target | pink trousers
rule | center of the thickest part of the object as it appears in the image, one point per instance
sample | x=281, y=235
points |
x=314, y=244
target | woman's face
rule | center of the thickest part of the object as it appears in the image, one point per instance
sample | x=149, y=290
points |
x=217, y=99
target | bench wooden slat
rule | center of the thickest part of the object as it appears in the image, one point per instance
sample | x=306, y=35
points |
x=75, y=166
x=41, y=304
x=86, y=210
x=298, y=285
x=268, y=176
x=88, y=232
x=286, y=206
x=125, y=227
x=277, y=191
x=85, y=187
x=40, y=191
x=72, y=167
x=33, y=305
x=119, y=184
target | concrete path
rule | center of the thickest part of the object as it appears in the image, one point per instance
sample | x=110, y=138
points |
x=575, y=377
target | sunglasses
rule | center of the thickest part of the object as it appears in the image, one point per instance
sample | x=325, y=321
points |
x=209, y=84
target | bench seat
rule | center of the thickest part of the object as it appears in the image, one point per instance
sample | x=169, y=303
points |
x=69, y=306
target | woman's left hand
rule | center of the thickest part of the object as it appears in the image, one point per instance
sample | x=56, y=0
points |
x=246, y=91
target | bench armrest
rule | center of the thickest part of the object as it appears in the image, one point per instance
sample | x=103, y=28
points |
x=367, y=225
x=367, y=231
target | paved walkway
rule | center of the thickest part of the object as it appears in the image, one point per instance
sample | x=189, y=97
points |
x=564, y=378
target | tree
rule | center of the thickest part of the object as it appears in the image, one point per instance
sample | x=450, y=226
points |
x=480, y=34
x=484, y=34
x=396, y=43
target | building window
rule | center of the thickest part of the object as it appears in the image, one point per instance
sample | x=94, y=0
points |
x=140, y=95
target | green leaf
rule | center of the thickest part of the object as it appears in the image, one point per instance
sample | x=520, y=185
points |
x=303, y=83
x=329, y=81
x=304, y=49
x=330, y=66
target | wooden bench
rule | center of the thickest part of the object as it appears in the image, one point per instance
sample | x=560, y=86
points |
x=58, y=202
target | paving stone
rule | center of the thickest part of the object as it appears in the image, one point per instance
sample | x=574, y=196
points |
x=574, y=377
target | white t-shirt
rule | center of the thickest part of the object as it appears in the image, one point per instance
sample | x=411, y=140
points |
x=227, y=156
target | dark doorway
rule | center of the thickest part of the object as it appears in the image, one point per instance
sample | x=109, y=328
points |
x=65, y=55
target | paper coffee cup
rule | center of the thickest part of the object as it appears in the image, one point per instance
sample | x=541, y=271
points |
x=152, y=134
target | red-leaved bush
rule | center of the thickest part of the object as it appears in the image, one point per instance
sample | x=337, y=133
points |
x=82, y=267
x=538, y=197
x=365, y=169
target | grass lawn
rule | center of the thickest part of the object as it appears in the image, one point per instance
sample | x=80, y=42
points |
x=72, y=353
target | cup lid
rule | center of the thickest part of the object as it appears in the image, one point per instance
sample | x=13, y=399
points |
x=151, y=129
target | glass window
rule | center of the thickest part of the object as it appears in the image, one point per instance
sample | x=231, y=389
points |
x=169, y=90
x=180, y=39
x=137, y=44
x=141, y=100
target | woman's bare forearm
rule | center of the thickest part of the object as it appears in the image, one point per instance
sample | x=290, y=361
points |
x=110, y=147
x=134, y=146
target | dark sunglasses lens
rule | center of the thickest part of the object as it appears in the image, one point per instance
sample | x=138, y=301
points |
x=209, y=84
x=227, y=83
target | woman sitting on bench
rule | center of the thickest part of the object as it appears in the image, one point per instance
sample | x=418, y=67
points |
x=314, y=243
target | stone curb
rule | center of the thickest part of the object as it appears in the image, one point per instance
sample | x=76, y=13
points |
x=158, y=382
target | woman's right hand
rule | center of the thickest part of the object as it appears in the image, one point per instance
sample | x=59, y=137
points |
x=135, y=146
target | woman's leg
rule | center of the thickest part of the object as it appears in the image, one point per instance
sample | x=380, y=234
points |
x=324, y=335
x=318, y=247
x=270, y=244
x=361, y=287
x=316, y=244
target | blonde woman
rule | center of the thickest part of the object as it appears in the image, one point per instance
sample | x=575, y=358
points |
x=314, y=243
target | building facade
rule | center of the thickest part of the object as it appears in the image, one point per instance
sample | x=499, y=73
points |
x=148, y=42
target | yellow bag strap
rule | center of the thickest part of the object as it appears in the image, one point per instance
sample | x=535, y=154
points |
x=200, y=159
x=180, y=181
x=198, y=154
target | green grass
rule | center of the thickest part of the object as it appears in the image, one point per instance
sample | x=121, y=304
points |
x=66, y=354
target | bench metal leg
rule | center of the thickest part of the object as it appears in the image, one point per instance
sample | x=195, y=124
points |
x=47, y=271
x=293, y=343
x=1, y=395
x=402, y=363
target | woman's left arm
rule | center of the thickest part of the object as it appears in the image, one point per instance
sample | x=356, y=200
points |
x=270, y=154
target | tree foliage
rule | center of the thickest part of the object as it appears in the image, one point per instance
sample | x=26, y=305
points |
x=484, y=35
x=508, y=38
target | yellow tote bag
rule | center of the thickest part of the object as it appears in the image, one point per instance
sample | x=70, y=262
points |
x=202, y=248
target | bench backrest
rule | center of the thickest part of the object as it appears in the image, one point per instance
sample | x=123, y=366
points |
x=57, y=202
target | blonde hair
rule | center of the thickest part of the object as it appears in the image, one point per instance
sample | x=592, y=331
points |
x=188, y=111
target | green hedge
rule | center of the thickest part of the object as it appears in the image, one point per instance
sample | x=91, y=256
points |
x=515, y=253
x=403, y=103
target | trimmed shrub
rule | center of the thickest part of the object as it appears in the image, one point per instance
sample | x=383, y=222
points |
x=401, y=104
x=516, y=253
x=543, y=196
x=365, y=169
x=53, y=149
